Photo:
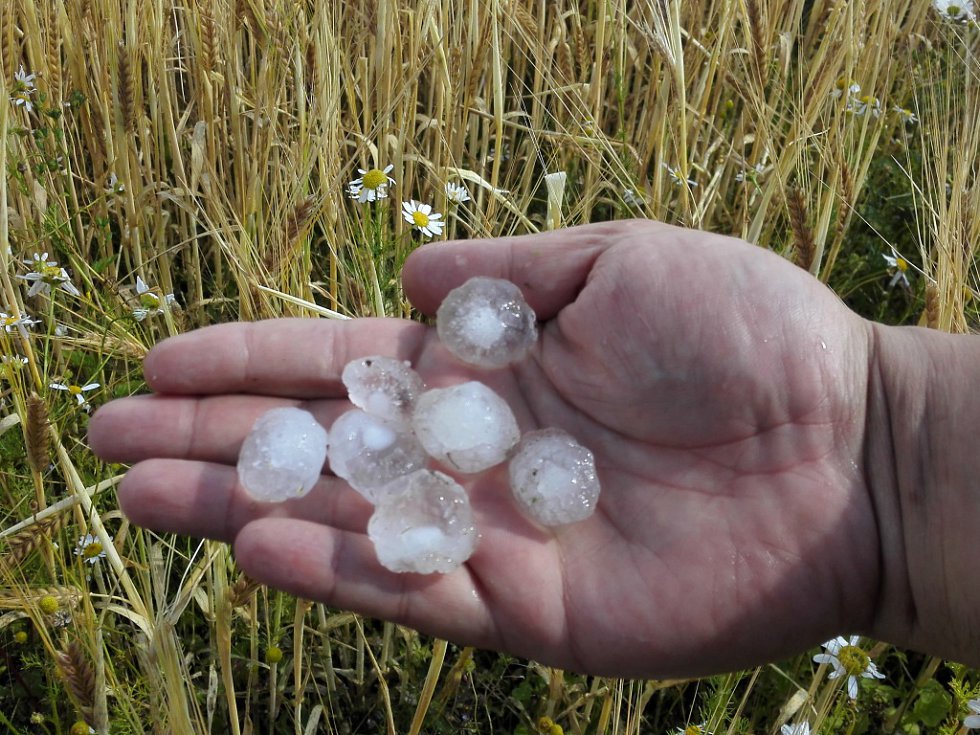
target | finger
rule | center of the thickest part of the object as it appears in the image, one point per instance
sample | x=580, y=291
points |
x=210, y=429
x=340, y=567
x=284, y=357
x=550, y=268
x=205, y=500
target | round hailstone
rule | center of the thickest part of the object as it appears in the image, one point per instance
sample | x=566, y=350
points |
x=486, y=322
x=369, y=452
x=467, y=427
x=553, y=477
x=283, y=455
x=424, y=524
x=382, y=386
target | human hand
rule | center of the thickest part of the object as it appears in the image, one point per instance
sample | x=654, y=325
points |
x=721, y=389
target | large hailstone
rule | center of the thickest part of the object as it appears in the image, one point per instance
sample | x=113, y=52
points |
x=423, y=524
x=467, y=427
x=369, y=451
x=283, y=455
x=553, y=477
x=486, y=322
x=382, y=386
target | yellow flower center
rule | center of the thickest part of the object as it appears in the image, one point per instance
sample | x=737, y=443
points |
x=843, y=83
x=693, y=730
x=374, y=179
x=75, y=390
x=273, y=654
x=421, y=219
x=8, y=321
x=51, y=273
x=92, y=550
x=901, y=264
x=149, y=300
x=854, y=660
x=49, y=604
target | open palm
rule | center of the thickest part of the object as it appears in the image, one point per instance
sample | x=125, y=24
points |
x=721, y=389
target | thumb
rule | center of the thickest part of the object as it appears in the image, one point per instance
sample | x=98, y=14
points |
x=550, y=268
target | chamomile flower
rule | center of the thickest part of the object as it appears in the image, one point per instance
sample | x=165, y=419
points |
x=76, y=390
x=371, y=184
x=422, y=217
x=632, y=199
x=456, y=193
x=20, y=323
x=90, y=548
x=693, y=730
x=906, y=116
x=23, y=89
x=901, y=267
x=800, y=728
x=677, y=176
x=845, y=87
x=866, y=104
x=973, y=721
x=113, y=185
x=848, y=660
x=751, y=174
x=955, y=10
x=46, y=274
x=151, y=301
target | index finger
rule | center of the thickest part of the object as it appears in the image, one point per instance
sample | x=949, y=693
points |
x=283, y=357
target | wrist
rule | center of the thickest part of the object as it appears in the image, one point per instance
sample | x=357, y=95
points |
x=922, y=472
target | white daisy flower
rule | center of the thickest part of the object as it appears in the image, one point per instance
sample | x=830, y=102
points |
x=20, y=323
x=901, y=266
x=907, y=116
x=800, y=728
x=848, y=660
x=845, y=87
x=76, y=390
x=420, y=215
x=150, y=301
x=371, y=184
x=678, y=177
x=456, y=193
x=46, y=274
x=114, y=185
x=23, y=89
x=973, y=721
x=632, y=199
x=693, y=730
x=864, y=105
x=90, y=548
x=957, y=10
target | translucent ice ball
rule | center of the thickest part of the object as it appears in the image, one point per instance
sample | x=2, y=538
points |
x=467, y=427
x=382, y=386
x=553, y=477
x=486, y=322
x=283, y=455
x=369, y=451
x=424, y=525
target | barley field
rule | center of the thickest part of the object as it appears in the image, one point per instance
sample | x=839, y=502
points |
x=169, y=164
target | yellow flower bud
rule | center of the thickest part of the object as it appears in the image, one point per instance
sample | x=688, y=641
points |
x=49, y=604
x=273, y=655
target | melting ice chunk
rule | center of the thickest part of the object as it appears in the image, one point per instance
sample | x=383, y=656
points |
x=283, y=455
x=467, y=427
x=486, y=322
x=423, y=524
x=553, y=477
x=382, y=386
x=369, y=451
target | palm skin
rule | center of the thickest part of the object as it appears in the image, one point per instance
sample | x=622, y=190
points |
x=721, y=389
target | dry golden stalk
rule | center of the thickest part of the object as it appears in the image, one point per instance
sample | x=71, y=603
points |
x=79, y=676
x=36, y=433
x=847, y=198
x=582, y=59
x=298, y=219
x=53, y=51
x=803, y=244
x=758, y=48
x=11, y=599
x=932, y=306
x=23, y=544
x=525, y=21
x=566, y=67
x=241, y=592
x=126, y=89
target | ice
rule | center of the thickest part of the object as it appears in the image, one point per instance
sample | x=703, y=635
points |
x=382, y=386
x=467, y=427
x=486, y=322
x=553, y=477
x=423, y=524
x=283, y=455
x=369, y=451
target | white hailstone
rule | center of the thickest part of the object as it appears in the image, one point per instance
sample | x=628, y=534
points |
x=283, y=455
x=553, y=477
x=486, y=322
x=369, y=452
x=424, y=525
x=467, y=427
x=382, y=386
